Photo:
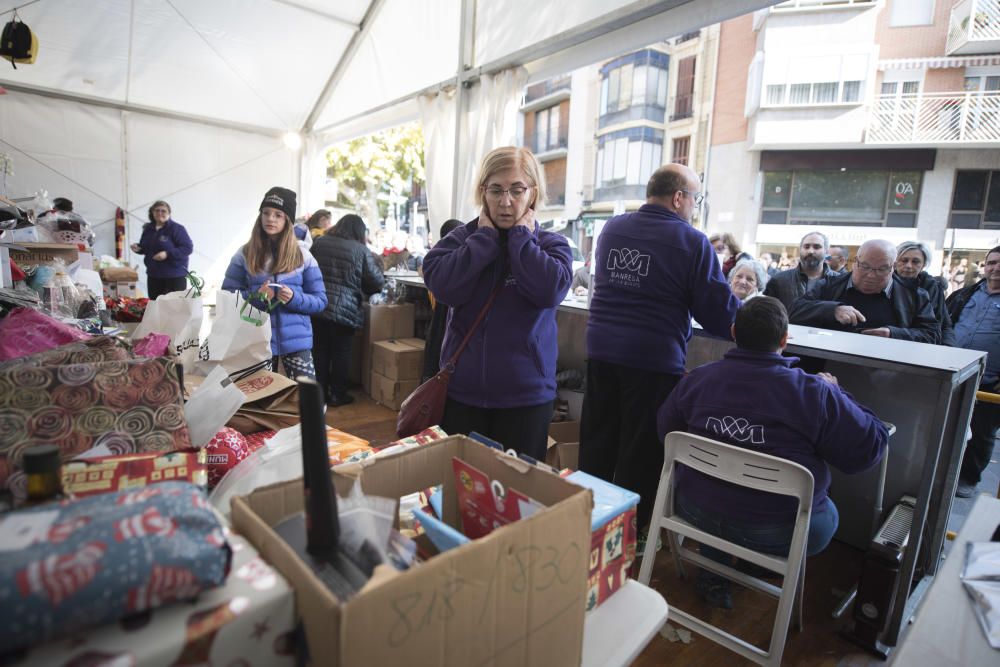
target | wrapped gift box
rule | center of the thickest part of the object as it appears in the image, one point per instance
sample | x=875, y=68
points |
x=105, y=474
x=247, y=621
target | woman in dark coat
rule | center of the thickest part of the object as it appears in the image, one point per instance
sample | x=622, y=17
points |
x=351, y=274
x=911, y=258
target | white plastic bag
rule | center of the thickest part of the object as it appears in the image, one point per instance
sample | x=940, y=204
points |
x=211, y=405
x=179, y=316
x=235, y=342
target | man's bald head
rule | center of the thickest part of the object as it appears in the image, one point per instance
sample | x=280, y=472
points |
x=674, y=186
x=873, y=267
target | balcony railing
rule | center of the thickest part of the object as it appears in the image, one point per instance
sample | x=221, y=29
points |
x=546, y=88
x=974, y=27
x=935, y=118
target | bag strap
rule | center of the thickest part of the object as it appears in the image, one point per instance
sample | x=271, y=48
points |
x=450, y=366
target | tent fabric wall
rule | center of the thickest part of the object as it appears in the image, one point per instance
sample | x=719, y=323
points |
x=213, y=178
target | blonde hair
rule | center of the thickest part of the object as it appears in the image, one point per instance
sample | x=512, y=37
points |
x=258, y=251
x=512, y=157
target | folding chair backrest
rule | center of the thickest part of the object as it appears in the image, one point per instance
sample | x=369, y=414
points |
x=739, y=466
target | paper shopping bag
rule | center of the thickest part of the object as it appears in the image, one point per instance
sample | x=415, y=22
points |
x=179, y=316
x=237, y=341
x=272, y=403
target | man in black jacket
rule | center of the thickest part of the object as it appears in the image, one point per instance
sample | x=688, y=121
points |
x=789, y=285
x=976, y=312
x=869, y=300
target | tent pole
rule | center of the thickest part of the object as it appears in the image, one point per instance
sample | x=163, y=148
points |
x=464, y=56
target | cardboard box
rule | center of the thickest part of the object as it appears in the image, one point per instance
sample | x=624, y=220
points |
x=564, y=438
x=514, y=597
x=401, y=359
x=383, y=323
x=390, y=393
x=46, y=253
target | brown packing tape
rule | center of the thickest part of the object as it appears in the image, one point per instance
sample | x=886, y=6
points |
x=525, y=582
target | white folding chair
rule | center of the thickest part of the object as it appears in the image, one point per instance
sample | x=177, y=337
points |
x=756, y=471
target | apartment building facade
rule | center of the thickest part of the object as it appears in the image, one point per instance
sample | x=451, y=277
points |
x=861, y=118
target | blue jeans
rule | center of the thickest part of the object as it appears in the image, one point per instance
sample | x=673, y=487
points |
x=771, y=539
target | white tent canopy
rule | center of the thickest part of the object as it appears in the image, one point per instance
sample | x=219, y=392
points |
x=131, y=101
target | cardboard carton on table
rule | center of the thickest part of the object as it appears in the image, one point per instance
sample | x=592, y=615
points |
x=513, y=597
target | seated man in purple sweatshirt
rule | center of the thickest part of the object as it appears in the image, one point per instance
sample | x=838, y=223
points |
x=801, y=417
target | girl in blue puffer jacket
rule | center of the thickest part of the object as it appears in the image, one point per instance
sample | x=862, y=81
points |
x=272, y=268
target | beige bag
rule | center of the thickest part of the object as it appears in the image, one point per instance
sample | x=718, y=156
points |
x=272, y=403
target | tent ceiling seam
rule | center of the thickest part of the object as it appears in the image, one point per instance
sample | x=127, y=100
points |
x=233, y=69
x=345, y=60
x=318, y=12
x=128, y=66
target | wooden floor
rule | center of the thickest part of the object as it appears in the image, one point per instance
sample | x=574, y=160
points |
x=827, y=576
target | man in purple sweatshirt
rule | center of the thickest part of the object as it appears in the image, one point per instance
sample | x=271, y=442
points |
x=754, y=399
x=653, y=272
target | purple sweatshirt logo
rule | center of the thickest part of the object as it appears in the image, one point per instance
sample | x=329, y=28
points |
x=736, y=428
x=625, y=259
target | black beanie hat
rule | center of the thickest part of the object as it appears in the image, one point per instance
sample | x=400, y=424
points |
x=282, y=199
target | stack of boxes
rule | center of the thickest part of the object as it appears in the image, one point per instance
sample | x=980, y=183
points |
x=391, y=358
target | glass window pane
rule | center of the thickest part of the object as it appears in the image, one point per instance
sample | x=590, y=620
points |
x=970, y=191
x=604, y=97
x=621, y=158
x=993, y=199
x=657, y=156
x=613, y=78
x=823, y=93
x=852, y=91
x=625, y=96
x=553, y=127
x=541, y=130
x=661, y=89
x=839, y=196
x=911, y=87
x=992, y=83
x=599, y=177
x=647, y=161
x=652, y=77
x=777, y=188
x=639, y=86
x=609, y=161
x=798, y=93
x=904, y=190
x=773, y=217
x=972, y=83
x=889, y=87
x=776, y=94
x=632, y=175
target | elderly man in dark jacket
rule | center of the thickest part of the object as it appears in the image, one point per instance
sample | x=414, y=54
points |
x=351, y=273
x=789, y=285
x=976, y=312
x=869, y=300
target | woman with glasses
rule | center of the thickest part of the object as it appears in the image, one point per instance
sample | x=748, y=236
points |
x=275, y=274
x=503, y=266
x=165, y=246
x=911, y=259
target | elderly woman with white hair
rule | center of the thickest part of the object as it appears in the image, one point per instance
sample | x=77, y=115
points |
x=911, y=258
x=747, y=279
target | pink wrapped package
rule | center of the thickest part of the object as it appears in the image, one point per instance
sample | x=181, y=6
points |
x=25, y=331
x=153, y=345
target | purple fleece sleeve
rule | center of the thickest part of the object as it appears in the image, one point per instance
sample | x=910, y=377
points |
x=453, y=266
x=713, y=304
x=544, y=269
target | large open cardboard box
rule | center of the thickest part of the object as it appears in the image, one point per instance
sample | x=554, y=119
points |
x=514, y=597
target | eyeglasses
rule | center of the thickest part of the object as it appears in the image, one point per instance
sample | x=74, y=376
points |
x=698, y=197
x=868, y=268
x=496, y=193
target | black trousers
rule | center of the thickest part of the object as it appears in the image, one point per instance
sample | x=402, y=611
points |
x=985, y=422
x=525, y=430
x=158, y=286
x=618, y=439
x=332, y=356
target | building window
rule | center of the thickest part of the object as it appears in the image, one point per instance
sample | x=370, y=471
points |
x=625, y=161
x=679, y=150
x=871, y=198
x=550, y=129
x=684, y=98
x=904, y=13
x=634, y=87
x=814, y=80
x=975, y=203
